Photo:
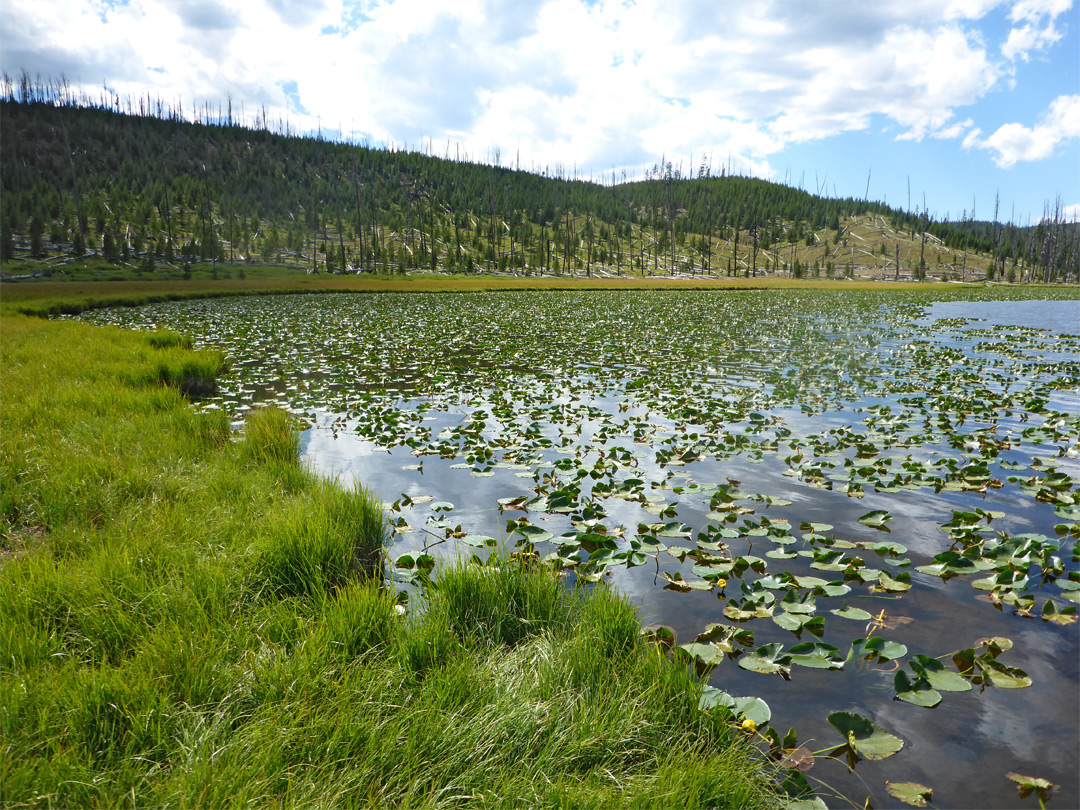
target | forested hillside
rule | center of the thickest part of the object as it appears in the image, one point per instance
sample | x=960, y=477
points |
x=134, y=182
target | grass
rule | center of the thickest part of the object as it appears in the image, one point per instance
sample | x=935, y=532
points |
x=74, y=296
x=188, y=618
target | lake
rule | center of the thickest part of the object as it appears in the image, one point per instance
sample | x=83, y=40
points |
x=899, y=466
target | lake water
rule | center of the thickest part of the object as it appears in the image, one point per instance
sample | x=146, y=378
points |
x=827, y=407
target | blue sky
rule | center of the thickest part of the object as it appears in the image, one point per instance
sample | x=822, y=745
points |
x=964, y=101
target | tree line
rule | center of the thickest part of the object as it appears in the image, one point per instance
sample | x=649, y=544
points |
x=133, y=181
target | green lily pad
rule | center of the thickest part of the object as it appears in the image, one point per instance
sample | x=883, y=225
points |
x=919, y=692
x=659, y=634
x=725, y=636
x=1027, y=785
x=884, y=650
x=1068, y=512
x=1050, y=613
x=747, y=708
x=853, y=613
x=534, y=534
x=892, y=549
x=708, y=655
x=865, y=738
x=911, y=793
x=815, y=625
x=767, y=660
x=898, y=584
x=876, y=519
x=816, y=655
x=478, y=540
x=713, y=572
x=1002, y=676
x=780, y=554
x=809, y=582
x=675, y=530
x=676, y=582
x=423, y=561
x=833, y=588
x=795, y=601
x=726, y=493
x=938, y=675
x=812, y=803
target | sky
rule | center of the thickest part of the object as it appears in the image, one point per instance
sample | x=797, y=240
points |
x=938, y=105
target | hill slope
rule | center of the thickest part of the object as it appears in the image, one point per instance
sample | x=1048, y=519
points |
x=152, y=190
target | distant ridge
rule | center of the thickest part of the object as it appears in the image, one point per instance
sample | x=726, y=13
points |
x=134, y=183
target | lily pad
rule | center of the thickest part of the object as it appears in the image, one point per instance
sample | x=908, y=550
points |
x=911, y=793
x=938, y=675
x=478, y=540
x=816, y=655
x=795, y=601
x=747, y=708
x=1027, y=785
x=865, y=738
x=853, y=613
x=677, y=583
x=725, y=636
x=918, y=692
x=812, y=803
x=876, y=519
x=815, y=625
x=882, y=649
x=767, y=660
x=1050, y=613
x=898, y=584
x=534, y=534
x=707, y=655
x=1004, y=677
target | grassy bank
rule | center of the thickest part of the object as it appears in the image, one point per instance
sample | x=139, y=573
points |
x=54, y=297
x=189, y=620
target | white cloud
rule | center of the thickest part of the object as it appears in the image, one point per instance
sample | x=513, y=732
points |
x=611, y=83
x=1031, y=10
x=1014, y=143
x=953, y=131
x=1029, y=38
x=1071, y=212
x=969, y=9
x=1034, y=34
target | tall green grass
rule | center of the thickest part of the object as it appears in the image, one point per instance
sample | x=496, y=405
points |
x=328, y=537
x=191, y=619
x=77, y=295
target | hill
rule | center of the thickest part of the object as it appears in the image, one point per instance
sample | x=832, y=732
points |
x=136, y=184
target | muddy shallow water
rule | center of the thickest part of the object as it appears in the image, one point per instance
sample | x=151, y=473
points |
x=626, y=417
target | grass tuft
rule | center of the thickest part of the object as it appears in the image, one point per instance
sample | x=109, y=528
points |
x=361, y=617
x=501, y=602
x=329, y=537
x=270, y=437
x=167, y=339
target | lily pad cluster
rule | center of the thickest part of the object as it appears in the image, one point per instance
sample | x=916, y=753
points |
x=703, y=437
